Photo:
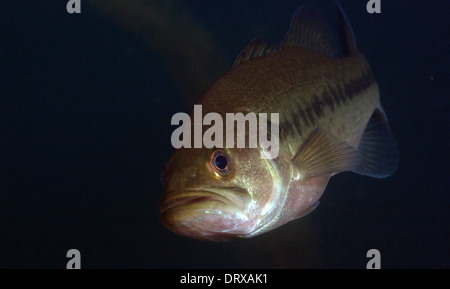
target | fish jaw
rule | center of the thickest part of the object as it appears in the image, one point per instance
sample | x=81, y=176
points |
x=205, y=215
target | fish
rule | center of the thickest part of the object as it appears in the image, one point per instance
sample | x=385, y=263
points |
x=330, y=121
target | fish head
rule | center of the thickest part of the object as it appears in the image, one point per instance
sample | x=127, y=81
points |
x=217, y=194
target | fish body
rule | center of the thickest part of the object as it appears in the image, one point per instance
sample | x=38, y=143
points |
x=330, y=121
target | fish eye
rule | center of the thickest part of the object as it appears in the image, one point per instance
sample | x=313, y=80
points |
x=220, y=162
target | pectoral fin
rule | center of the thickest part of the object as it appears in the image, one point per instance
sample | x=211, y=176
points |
x=378, y=148
x=307, y=211
x=323, y=153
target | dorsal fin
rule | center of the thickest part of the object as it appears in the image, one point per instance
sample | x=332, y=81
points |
x=347, y=35
x=309, y=30
x=256, y=48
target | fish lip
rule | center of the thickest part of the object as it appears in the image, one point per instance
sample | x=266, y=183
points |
x=190, y=196
x=180, y=200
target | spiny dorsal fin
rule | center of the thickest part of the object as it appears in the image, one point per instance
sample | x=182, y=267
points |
x=378, y=148
x=309, y=30
x=348, y=36
x=256, y=48
x=323, y=153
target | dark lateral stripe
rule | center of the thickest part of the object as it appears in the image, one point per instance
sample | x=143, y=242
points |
x=318, y=106
x=332, y=96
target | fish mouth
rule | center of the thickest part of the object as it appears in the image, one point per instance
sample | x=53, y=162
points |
x=192, y=196
x=213, y=214
x=181, y=201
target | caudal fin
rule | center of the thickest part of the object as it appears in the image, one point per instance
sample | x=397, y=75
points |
x=378, y=148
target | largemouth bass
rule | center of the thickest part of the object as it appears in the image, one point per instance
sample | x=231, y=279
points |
x=330, y=121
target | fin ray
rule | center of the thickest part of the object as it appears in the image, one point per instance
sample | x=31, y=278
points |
x=378, y=148
x=322, y=153
x=309, y=30
x=307, y=211
x=255, y=48
x=347, y=34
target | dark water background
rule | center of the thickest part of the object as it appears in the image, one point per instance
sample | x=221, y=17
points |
x=85, y=108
